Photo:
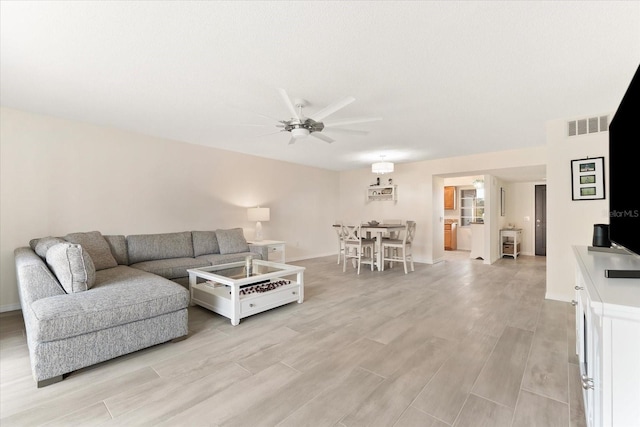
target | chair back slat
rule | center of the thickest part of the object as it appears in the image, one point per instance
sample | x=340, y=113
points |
x=410, y=232
x=393, y=234
x=352, y=233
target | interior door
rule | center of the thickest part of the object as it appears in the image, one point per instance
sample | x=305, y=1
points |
x=541, y=219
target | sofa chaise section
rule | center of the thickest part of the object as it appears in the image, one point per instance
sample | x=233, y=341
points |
x=126, y=310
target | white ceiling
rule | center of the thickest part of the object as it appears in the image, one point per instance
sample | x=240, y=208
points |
x=448, y=78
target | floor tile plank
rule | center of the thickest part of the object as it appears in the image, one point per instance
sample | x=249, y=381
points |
x=535, y=410
x=501, y=377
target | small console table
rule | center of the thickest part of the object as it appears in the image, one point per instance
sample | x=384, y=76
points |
x=510, y=239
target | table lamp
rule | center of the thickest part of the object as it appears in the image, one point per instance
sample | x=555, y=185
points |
x=258, y=214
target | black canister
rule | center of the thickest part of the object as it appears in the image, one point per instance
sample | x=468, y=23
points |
x=601, y=236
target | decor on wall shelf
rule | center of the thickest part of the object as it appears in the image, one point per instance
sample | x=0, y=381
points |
x=258, y=214
x=382, y=167
x=381, y=193
x=587, y=179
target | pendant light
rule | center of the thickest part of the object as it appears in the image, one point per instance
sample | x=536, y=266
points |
x=382, y=167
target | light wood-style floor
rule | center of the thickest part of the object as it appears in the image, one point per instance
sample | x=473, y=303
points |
x=458, y=343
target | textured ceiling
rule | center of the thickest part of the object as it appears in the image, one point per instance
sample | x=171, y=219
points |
x=447, y=78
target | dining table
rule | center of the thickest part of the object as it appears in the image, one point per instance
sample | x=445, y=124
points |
x=378, y=231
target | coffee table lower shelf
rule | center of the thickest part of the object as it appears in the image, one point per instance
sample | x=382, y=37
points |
x=219, y=300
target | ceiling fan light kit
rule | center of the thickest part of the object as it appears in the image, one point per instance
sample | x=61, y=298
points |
x=300, y=132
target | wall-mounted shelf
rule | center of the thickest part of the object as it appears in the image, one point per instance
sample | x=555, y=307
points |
x=382, y=193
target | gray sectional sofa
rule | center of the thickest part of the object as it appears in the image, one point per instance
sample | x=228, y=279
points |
x=88, y=297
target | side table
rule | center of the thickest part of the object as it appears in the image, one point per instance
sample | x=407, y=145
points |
x=275, y=249
x=510, y=239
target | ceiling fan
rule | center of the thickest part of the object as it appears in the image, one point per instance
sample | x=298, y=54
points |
x=301, y=126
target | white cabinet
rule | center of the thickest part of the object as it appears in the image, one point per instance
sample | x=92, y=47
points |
x=382, y=192
x=275, y=249
x=510, y=239
x=477, y=241
x=608, y=338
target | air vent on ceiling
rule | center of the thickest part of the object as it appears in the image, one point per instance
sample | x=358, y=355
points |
x=588, y=125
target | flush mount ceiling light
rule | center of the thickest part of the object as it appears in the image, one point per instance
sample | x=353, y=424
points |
x=382, y=167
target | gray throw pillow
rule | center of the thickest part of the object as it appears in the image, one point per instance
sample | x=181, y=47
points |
x=72, y=266
x=97, y=246
x=205, y=243
x=43, y=245
x=232, y=241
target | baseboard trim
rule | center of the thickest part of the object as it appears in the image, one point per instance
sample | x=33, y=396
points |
x=9, y=307
x=557, y=297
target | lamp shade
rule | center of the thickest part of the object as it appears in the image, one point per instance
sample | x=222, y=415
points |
x=258, y=214
x=382, y=167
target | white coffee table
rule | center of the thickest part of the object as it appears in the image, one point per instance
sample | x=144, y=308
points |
x=225, y=288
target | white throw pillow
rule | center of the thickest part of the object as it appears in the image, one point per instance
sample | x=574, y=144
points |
x=45, y=243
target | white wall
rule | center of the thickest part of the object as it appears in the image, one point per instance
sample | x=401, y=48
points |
x=59, y=176
x=570, y=222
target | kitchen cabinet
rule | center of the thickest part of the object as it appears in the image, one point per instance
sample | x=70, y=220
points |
x=450, y=236
x=477, y=240
x=449, y=198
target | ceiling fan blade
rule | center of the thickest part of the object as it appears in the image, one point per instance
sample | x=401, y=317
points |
x=330, y=109
x=352, y=121
x=351, y=131
x=288, y=103
x=238, y=124
x=245, y=111
x=325, y=138
x=266, y=134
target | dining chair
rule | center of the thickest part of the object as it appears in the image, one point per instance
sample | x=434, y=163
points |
x=340, y=233
x=392, y=234
x=395, y=234
x=399, y=250
x=357, y=247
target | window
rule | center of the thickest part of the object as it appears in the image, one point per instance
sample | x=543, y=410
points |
x=471, y=206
